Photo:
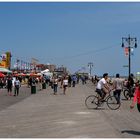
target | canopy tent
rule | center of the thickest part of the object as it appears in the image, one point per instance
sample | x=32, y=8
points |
x=48, y=75
x=45, y=71
x=5, y=70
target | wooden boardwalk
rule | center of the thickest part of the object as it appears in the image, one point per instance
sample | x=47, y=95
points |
x=44, y=115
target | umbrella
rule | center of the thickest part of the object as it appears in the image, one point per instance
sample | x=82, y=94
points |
x=22, y=74
x=33, y=74
x=1, y=75
x=5, y=70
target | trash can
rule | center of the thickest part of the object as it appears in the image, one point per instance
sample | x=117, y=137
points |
x=33, y=89
x=44, y=86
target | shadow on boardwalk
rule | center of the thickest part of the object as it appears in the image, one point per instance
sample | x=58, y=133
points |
x=131, y=132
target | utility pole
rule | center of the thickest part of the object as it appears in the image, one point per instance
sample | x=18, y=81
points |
x=90, y=65
x=131, y=43
x=18, y=64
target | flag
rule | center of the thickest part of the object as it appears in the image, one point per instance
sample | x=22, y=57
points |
x=126, y=50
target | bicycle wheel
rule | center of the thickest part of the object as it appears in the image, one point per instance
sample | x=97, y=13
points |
x=126, y=94
x=112, y=103
x=91, y=102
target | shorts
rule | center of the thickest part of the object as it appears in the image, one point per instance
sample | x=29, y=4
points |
x=9, y=89
x=100, y=92
x=64, y=86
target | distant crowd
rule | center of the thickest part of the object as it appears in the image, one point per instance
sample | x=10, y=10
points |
x=65, y=81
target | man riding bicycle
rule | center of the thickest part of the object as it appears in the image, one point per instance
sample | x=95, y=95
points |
x=102, y=86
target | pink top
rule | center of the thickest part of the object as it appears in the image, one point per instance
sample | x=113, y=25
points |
x=137, y=95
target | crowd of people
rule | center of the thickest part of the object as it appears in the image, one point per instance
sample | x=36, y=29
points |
x=9, y=83
x=103, y=85
x=66, y=81
x=13, y=83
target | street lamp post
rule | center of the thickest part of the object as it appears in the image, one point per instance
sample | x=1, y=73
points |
x=130, y=41
x=18, y=64
x=90, y=65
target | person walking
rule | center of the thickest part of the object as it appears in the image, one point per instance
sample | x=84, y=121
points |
x=55, y=84
x=83, y=79
x=29, y=82
x=9, y=86
x=17, y=86
x=69, y=80
x=41, y=82
x=74, y=79
x=136, y=98
x=65, y=84
x=131, y=84
x=117, y=86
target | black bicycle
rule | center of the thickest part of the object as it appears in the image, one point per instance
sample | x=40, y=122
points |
x=128, y=93
x=93, y=102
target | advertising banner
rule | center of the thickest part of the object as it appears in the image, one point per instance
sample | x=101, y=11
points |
x=5, y=61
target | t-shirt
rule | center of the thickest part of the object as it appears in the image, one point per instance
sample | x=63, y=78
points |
x=118, y=83
x=9, y=82
x=101, y=83
x=17, y=83
x=56, y=81
x=74, y=78
x=65, y=82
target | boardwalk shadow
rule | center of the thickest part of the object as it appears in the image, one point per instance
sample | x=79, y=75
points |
x=131, y=132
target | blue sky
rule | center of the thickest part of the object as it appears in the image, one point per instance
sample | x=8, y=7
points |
x=71, y=33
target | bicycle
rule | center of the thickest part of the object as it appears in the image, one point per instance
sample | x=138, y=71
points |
x=128, y=93
x=92, y=102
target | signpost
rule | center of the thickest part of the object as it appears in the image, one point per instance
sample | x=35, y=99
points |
x=125, y=66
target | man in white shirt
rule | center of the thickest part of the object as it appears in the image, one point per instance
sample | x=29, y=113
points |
x=102, y=85
x=17, y=86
